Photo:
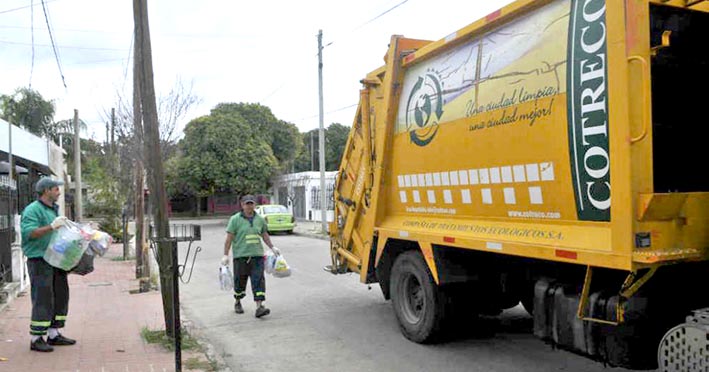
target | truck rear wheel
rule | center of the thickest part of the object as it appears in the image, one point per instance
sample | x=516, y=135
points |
x=419, y=304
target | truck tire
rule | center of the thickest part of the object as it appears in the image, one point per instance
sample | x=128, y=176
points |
x=419, y=304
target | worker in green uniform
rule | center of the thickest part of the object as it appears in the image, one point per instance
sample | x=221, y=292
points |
x=243, y=237
x=48, y=285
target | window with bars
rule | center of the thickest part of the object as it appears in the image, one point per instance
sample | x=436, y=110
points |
x=315, y=197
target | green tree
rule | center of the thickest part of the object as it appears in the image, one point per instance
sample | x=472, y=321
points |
x=335, y=140
x=27, y=109
x=222, y=152
x=281, y=136
x=104, y=199
x=302, y=162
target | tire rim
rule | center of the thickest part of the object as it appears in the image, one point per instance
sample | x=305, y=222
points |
x=413, y=295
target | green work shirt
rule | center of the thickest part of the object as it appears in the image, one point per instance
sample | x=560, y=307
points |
x=36, y=215
x=247, y=235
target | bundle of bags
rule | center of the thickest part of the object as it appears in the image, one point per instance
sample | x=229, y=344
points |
x=73, y=247
x=226, y=280
x=276, y=265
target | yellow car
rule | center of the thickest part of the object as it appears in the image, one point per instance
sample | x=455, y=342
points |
x=277, y=217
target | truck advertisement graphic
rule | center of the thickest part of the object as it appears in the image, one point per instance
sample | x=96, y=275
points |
x=477, y=177
x=506, y=86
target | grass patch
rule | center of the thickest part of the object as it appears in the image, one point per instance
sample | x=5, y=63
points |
x=120, y=258
x=159, y=336
x=202, y=365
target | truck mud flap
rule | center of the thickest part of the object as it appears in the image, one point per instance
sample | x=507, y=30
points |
x=632, y=344
x=555, y=319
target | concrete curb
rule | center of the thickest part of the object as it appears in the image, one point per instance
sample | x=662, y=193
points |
x=210, y=352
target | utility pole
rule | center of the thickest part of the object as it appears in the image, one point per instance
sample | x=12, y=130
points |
x=156, y=177
x=142, y=268
x=113, y=131
x=78, y=200
x=321, y=147
x=312, y=152
x=11, y=173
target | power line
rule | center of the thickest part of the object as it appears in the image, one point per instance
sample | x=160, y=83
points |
x=32, y=24
x=380, y=15
x=329, y=112
x=54, y=48
x=130, y=51
x=20, y=8
x=371, y=20
x=63, y=46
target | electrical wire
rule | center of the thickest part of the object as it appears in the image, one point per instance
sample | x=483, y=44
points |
x=54, y=47
x=20, y=8
x=130, y=52
x=370, y=21
x=63, y=46
x=32, y=25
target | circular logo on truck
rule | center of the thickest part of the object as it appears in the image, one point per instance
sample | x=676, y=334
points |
x=424, y=109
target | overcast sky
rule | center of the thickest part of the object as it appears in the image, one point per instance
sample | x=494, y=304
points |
x=231, y=51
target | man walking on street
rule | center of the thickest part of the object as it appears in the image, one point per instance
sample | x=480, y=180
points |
x=243, y=236
x=48, y=285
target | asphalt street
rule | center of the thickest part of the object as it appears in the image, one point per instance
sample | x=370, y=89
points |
x=323, y=322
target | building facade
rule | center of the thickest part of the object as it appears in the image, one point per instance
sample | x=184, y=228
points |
x=300, y=193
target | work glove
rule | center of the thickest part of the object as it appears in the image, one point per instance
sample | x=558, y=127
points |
x=276, y=251
x=58, y=222
x=225, y=260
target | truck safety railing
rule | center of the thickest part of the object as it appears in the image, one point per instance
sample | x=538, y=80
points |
x=630, y=286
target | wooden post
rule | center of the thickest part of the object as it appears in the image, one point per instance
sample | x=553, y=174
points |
x=156, y=177
x=78, y=200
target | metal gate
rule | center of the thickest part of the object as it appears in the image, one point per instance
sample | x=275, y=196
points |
x=8, y=208
x=299, y=202
x=283, y=196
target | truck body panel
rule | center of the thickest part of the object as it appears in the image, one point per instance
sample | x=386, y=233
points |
x=542, y=142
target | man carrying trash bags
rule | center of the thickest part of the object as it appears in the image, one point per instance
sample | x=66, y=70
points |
x=244, y=232
x=54, y=246
x=49, y=286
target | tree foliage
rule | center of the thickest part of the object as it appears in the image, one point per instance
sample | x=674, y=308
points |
x=335, y=140
x=281, y=136
x=27, y=109
x=222, y=152
x=106, y=197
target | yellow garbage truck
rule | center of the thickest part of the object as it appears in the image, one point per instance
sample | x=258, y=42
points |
x=541, y=155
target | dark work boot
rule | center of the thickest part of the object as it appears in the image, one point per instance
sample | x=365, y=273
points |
x=60, y=341
x=238, y=308
x=262, y=311
x=40, y=345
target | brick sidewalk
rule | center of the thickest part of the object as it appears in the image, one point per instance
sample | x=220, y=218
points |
x=104, y=318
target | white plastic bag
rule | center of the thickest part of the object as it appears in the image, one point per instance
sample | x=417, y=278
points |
x=269, y=262
x=226, y=280
x=281, y=268
x=66, y=247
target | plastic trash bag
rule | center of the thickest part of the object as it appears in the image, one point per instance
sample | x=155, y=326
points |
x=85, y=265
x=269, y=262
x=100, y=242
x=226, y=280
x=281, y=268
x=66, y=247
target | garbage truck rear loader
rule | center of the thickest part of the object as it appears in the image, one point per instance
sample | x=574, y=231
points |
x=551, y=153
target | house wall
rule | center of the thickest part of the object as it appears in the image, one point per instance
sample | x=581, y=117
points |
x=300, y=193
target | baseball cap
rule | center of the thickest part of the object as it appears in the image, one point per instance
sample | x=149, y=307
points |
x=248, y=199
x=46, y=183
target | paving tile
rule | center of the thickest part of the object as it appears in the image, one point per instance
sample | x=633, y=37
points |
x=105, y=319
